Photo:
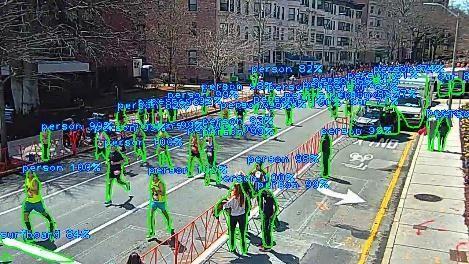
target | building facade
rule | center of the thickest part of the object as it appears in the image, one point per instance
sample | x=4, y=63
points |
x=284, y=32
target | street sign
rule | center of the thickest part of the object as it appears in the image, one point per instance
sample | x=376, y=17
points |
x=9, y=114
x=137, y=67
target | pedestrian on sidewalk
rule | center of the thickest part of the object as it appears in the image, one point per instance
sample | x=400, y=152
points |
x=238, y=207
x=34, y=202
x=158, y=200
x=194, y=152
x=269, y=210
x=431, y=132
x=260, y=177
x=115, y=171
x=325, y=150
x=443, y=127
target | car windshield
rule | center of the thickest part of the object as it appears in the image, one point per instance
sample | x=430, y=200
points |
x=372, y=114
x=409, y=101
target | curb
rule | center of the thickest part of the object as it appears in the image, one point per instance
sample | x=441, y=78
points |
x=397, y=217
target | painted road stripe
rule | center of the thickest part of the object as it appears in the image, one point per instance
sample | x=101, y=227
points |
x=384, y=204
x=97, y=229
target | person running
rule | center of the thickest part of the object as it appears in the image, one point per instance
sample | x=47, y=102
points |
x=140, y=148
x=116, y=164
x=102, y=145
x=225, y=126
x=326, y=153
x=269, y=210
x=239, y=207
x=289, y=115
x=240, y=112
x=33, y=202
x=211, y=166
x=194, y=152
x=44, y=138
x=164, y=157
x=158, y=200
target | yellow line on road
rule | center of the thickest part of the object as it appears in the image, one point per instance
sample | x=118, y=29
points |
x=384, y=204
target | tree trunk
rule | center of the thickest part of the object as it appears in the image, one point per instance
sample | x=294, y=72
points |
x=3, y=128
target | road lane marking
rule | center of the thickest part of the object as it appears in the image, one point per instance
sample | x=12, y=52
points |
x=141, y=206
x=384, y=204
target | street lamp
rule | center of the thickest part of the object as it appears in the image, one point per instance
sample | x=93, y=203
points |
x=453, y=64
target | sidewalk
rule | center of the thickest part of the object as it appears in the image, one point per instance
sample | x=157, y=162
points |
x=429, y=226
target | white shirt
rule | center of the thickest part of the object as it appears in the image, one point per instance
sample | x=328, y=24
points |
x=236, y=209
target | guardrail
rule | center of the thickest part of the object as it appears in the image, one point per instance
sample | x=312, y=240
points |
x=213, y=226
x=29, y=153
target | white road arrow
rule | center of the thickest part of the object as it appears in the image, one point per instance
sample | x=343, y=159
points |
x=349, y=198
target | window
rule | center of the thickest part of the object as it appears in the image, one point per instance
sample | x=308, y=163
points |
x=257, y=7
x=246, y=8
x=268, y=35
x=342, y=41
x=278, y=12
x=328, y=23
x=379, y=12
x=224, y=28
x=312, y=37
x=319, y=38
x=342, y=10
x=328, y=41
x=268, y=10
x=291, y=34
x=231, y=5
x=291, y=13
x=320, y=21
x=358, y=14
x=192, y=57
x=278, y=56
x=238, y=30
x=238, y=6
x=194, y=28
x=318, y=55
x=282, y=36
x=303, y=18
x=246, y=33
x=378, y=23
x=328, y=7
x=223, y=5
x=341, y=26
x=283, y=13
x=241, y=68
x=320, y=4
x=275, y=10
x=305, y=2
x=267, y=57
x=312, y=20
x=370, y=35
x=372, y=9
x=371, y=22
x=192, y=5
x=256, y=32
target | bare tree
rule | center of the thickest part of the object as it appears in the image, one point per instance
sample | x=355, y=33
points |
x=168, y=30
x=220, y=49
x=57, y=30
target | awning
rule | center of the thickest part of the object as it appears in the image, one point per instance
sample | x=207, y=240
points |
x=62, y=66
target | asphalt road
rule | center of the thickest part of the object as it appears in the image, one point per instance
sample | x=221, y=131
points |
x=313, y=229
x=76, y=200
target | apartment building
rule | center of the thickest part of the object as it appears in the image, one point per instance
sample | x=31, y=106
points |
x=289, y=32
x=297, y=31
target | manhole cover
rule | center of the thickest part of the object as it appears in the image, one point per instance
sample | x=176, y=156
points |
x=428, y=197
